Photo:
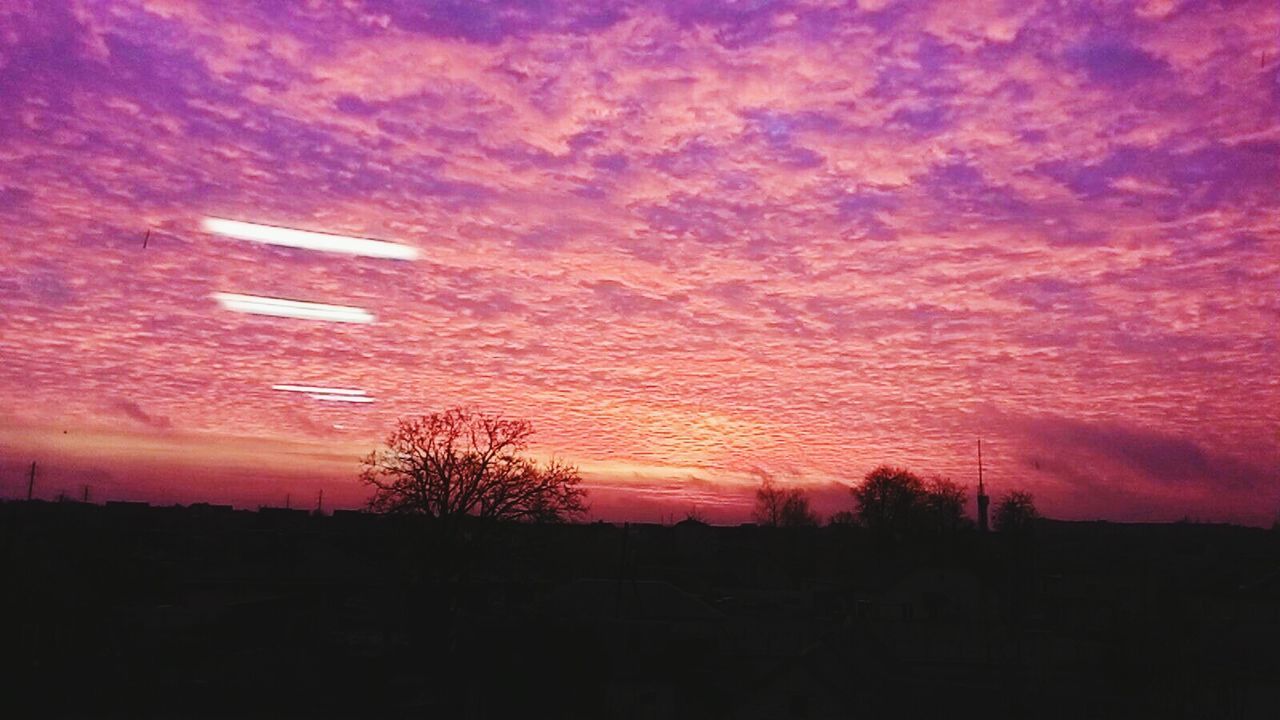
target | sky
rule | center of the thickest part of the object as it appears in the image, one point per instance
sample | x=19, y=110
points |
x=695, y=243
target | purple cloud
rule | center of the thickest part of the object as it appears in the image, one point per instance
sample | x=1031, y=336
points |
x=132, y=410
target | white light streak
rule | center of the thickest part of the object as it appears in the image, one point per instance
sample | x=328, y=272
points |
x=308, y=240
x=342, y=398
x=279, y=307
x=315, y=389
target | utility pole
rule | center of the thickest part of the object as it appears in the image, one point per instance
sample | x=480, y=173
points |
x=86, y=494
x=31, y=481
x=320, y=503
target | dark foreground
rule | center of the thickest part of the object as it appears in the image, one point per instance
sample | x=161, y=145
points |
x=132, y=611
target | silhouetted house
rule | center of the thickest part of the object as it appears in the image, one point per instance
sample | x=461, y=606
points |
x=283, y=512
x=693, y=528
x=208, y=508
x=280, y=516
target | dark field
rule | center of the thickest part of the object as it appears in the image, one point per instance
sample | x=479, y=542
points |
x=136, y=611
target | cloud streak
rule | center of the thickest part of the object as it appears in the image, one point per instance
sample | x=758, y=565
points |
x=133, y=411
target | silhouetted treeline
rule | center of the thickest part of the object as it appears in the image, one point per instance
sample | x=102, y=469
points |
x=210, y=612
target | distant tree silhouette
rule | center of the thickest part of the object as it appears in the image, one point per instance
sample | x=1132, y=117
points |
x=896, y=500
x=1015, y=513
x=843, y=517
x=888, y=499
x=695, y=515
x=769, y=500
x=943, y=504
x=782, y=507
x=796, y=511
x=461, y=462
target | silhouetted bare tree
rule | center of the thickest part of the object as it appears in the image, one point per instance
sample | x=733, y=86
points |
x=462, y=462
x=769, y=500
x=1015, y=513
x=782, y=507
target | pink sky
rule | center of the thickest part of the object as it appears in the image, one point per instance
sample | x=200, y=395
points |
x=692, y=242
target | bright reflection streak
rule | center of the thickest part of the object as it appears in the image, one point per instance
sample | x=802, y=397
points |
x=324, y=242
x=343, y=398
x=317, y=390
x=280, y=307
